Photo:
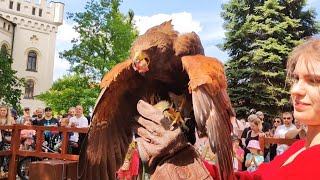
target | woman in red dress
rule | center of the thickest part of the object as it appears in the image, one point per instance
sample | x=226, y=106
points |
x=130, y=167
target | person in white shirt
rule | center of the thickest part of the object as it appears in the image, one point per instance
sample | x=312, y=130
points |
x=283, y=129
x=79, y=121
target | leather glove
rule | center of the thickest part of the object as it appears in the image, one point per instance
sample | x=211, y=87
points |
x=156, y=142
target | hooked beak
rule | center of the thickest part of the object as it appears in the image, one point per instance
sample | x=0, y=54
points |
x=141, y=62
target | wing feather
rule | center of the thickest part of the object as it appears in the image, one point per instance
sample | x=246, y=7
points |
x=212, y=108
x=109, y=136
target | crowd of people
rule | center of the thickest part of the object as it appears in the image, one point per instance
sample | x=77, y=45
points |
x=247, y=133
x=41, y=117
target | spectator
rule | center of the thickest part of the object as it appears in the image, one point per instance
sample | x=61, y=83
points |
x=79, y=121
x=14, y=114
x=26, y=112
x=130, y=168
x=66, y=115
x=299, y=133
x=253, y=134
x=27, y=136
x=265, y=125
x=276, y=122
x=283, y=129
x=72, y=111
x=238, y=153
x=49, y=120
x=253, y=159
x=245, y=131
x=203, y=147
x=5, y=119
x=39, y=117
x=59, y=117
x=63, y=123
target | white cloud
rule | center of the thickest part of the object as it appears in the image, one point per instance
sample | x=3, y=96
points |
x=60, y=67
x=66, y=32
x=183, y=22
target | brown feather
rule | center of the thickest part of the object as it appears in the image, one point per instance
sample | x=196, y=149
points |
x=211, y=106
x=108, y=140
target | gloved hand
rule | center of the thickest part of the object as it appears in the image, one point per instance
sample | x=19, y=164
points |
x=156, y=142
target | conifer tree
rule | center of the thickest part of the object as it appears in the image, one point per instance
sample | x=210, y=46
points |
x=260, y=35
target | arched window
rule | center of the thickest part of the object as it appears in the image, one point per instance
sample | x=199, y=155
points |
x=32, y=61
x=4, y=48
x=28, y=94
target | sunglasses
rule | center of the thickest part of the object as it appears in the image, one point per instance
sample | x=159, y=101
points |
x=286, y=118
x=277, y=121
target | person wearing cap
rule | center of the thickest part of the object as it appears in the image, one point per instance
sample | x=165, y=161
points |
x=48, y=120
x=238, y=153
x=39, y=116
x=253, y=159
x=26, y=113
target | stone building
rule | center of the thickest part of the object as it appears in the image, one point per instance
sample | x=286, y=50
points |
x=28, y=30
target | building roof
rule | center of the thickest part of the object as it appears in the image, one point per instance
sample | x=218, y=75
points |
x=7, y=20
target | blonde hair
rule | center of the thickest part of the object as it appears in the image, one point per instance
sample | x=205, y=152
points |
x=309, y=50
x=27, y=118
x=251, y=117
x=8, y=117
x=255, y=120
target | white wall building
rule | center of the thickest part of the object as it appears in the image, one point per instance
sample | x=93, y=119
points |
x=28, y=30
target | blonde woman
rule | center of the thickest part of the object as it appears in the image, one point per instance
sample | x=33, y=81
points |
x=5, y=115
x=5, y=119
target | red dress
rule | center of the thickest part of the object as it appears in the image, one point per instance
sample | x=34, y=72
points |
x=304, y=166
x=133, y=168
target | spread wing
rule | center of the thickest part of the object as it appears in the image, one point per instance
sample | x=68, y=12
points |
x=109, y=136
x=212, y=108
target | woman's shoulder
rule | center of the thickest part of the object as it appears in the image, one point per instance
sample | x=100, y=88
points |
x=11, y=121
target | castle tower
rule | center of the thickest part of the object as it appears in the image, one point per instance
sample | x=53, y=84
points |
x=28, y=30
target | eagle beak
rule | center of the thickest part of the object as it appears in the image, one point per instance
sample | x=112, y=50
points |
x=141, y=62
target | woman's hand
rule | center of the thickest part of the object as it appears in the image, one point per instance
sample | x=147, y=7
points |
x=262, y=134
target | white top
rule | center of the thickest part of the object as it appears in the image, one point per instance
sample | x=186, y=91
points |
x=80, y=123
x=280, y=133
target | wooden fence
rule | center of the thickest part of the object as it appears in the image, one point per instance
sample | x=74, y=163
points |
x=269, y=140
x=14, y=151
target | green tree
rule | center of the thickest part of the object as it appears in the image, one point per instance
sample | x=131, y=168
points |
x=70, y=91
x=10, y=84
x=105, y=38
x=259, y=36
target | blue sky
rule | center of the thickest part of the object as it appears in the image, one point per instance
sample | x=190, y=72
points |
x=202, y=16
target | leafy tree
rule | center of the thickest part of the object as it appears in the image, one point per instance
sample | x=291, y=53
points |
x=10, y=84
x=260, y=34
x=70, y=91
x=105, y=38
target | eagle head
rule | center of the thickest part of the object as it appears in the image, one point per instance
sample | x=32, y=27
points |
x=141, y=62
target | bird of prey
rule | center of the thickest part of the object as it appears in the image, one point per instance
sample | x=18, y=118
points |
x=161, y=61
